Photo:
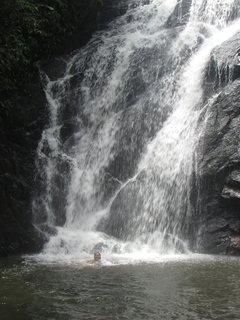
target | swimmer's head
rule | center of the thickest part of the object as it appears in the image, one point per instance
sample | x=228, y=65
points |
x=97, y=256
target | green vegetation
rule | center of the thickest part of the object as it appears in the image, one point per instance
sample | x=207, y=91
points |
x=31, y=30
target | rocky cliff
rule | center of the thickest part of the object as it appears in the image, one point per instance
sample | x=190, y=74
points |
x=40, y=30
x=218, y=167
x=31, y=31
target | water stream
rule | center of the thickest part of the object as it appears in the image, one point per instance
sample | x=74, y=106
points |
x=115, y=163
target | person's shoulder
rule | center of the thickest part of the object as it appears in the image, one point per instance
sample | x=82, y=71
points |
x=90, y=262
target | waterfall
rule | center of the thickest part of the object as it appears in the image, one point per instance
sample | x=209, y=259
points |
x=115, y=163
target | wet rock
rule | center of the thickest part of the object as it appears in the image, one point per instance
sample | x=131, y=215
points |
x=143, y=114
x=235, y=11
x=47, y=230
x=229, y=193
x=20, y=131
x=180, y=15
x=234, y=179
x=101, y=246
x=224, y=65
x=119, y=221
x=55, y=68
x=234, y=244
x=23, y=115
x=218, y=174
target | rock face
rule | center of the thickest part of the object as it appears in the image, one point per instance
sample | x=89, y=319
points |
x=180, y=15
x=23, y=115
x=20, y=131
x=218, y=175
x=216, y=182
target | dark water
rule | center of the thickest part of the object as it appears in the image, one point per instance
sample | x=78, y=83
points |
x=206, y=288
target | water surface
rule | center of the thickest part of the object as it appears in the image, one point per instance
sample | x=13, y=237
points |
x=195, y=287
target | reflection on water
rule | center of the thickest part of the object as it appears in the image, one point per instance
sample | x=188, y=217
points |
x=202, y=288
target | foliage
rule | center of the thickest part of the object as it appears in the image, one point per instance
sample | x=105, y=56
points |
x=31, y=30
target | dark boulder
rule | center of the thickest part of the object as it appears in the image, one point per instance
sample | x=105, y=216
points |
x=119, y=223
x=180, y=14
x=21, y=126
x=224, y=65
x=218, y=166
x=218, y=182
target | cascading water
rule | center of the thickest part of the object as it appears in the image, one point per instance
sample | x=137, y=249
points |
x=115, y=162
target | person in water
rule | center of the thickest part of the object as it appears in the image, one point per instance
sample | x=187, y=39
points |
x=96, y=259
